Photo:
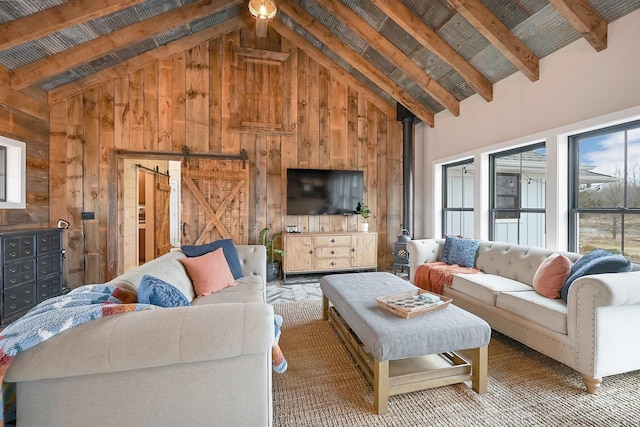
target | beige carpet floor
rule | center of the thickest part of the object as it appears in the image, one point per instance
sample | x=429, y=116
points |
x=323, y=387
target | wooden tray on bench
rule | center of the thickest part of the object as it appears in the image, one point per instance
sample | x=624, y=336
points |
x=408, y=305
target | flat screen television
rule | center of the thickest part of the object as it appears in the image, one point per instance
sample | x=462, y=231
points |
x=323, y=191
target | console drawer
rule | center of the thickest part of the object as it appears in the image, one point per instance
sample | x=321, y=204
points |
x=333, y=263
x=19, y=298
x=332, y=252
x=334, y=240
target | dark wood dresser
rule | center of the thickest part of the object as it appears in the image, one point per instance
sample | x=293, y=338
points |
x=30, y=270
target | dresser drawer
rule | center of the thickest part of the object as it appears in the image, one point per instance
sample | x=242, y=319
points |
x=18, y=272
x=49, y=264
x=48, y=288
x=47, y=242
x=333, y=240
x=17, y=247
x=19, y=298
x=332, y=252
x=333, y=263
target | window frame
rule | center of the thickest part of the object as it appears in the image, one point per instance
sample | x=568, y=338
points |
x=574, y=183
x=16, y=165
x=445, y=208
x=515, y=213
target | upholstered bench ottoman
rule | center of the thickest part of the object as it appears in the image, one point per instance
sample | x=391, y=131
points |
x=399, y=355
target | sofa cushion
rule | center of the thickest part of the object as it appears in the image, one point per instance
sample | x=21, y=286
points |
x=460, y=251
x=248, y=289
x=551, y=275
x=153, y=290
x=530, y=305
x=485, y=287
x=596, y=262
x=209, y=273
x=228, y=248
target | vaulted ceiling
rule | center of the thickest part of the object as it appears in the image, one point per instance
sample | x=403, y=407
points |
x=425, y=54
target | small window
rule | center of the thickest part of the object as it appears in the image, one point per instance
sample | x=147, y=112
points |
x=12, y=173
x=458, y=198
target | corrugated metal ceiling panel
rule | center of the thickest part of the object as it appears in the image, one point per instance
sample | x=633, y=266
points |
x=367, y=11
x=378, y=61
x=16, y=9
x=463, y=37
x=399, y=37
x=431, y=63
x=433, y=12
x=345, y=34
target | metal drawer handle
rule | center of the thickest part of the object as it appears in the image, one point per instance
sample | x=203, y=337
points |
x=27, y=276
x=333, y=252
x=12, y=307
x=44, y=263
x=333, y=263
x=333, y=240
x=44, y=294
x=12, y=297
x=13, y=270
x=27, y=301
x=311, y=252
x=12, y=244
x=27, y=252
x=27, y=292
x=353, y=249
x=12, y=254
x=12, y=281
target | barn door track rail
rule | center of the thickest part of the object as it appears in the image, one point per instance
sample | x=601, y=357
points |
x=186, y=153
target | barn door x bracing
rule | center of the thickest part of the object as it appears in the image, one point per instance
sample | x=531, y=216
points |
x=215, y=201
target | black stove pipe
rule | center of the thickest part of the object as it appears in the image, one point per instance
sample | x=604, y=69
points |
x=408, y=120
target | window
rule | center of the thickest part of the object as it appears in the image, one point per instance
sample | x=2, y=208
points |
x=517, y=202
x=457, y=195
x=604, y=188
x=12, y=174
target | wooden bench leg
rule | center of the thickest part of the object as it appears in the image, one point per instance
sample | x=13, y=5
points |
x=325, y=308
x=381, y=386
x=479, y=369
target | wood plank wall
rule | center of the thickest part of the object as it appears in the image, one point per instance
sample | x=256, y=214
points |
x=190, y=98
x=34, y=133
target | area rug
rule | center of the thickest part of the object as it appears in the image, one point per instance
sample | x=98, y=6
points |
x=323, y=387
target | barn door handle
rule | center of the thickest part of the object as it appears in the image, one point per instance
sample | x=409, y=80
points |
x=333, y=240
x=311, y=252
x=184, y=229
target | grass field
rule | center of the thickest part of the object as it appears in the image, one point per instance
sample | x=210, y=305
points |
x=603, y=231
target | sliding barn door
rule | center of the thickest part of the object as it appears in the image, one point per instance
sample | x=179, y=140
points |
x=162, y=193
x=215, y=201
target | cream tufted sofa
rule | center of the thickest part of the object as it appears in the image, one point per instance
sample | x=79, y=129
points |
x=595, y=333
x=201, y=365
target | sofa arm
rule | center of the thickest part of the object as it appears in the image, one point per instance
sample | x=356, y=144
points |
x=603, y=290
x=421, y=251
x=147, y=339
x=253, y=259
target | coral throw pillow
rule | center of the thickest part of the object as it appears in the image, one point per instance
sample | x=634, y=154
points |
x=209, y=273
x=551, y=275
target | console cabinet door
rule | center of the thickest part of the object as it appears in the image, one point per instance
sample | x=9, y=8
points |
x=364, y=250
x=300, y=253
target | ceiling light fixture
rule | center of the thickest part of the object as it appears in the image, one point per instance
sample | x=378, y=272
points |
x=263, y=11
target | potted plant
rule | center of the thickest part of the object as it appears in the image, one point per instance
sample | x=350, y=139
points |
x=365, y=212
x=273, y=266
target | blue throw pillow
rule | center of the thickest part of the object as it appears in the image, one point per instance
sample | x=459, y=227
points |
x=228, y=248
x=460, y=251
x=153, y=290
x=597, y=261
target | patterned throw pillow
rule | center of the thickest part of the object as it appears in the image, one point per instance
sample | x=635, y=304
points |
x=209, y=273
x=153, y=290
x=597, y=261
x=228, y=248
x=460, y=251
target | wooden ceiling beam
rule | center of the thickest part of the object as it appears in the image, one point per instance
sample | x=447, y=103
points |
x=321, y=32
x=334, y=68
x=137, y=62
x=392, y=54
x=499, y=35
x=55, y=64
x=428, y=38
x=48, y=21
x=585, y=19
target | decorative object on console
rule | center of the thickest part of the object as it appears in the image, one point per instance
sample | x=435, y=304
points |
x=365, y=212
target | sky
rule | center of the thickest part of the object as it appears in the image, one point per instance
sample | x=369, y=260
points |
x=606, y=152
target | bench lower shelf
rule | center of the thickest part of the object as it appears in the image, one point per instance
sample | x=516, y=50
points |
x=391, y=377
